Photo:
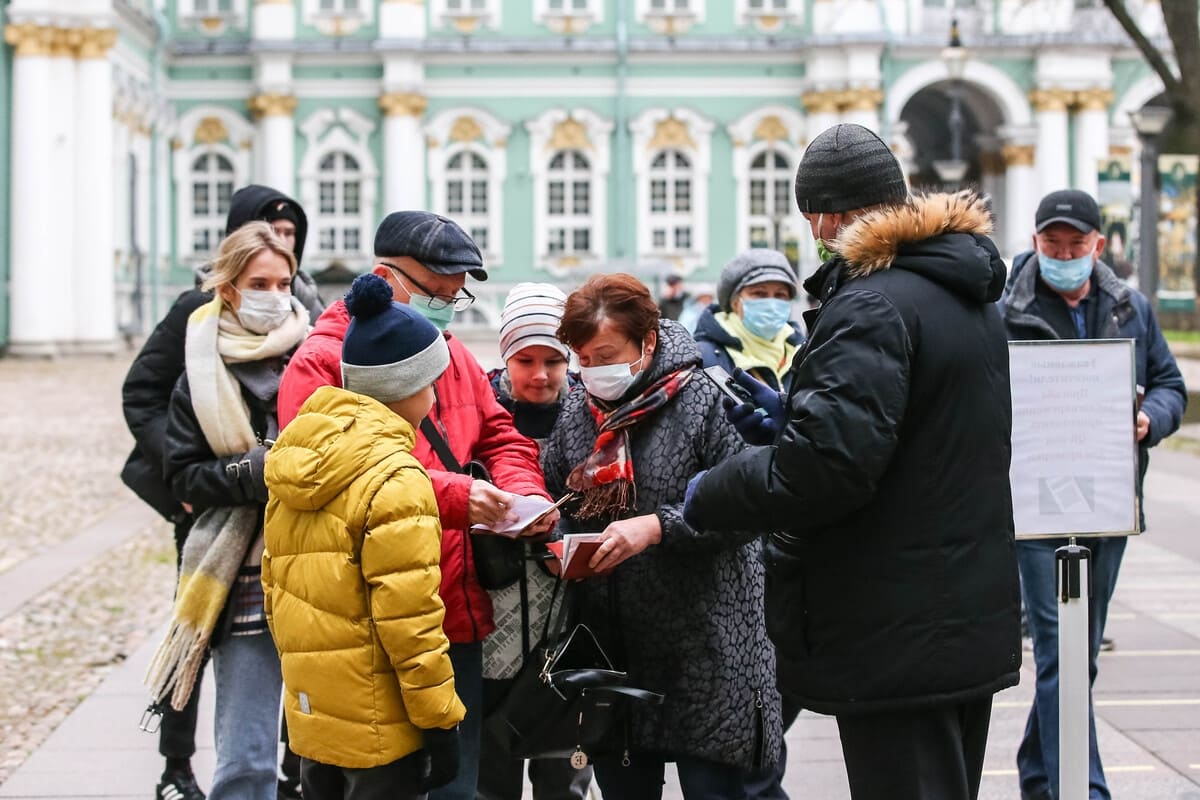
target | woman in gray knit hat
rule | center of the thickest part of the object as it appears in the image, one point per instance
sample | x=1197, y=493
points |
x=750, y=325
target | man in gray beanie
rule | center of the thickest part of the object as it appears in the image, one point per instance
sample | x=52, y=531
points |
x=891, y=593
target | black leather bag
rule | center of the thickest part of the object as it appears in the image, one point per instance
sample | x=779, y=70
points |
x=499, y=561
x=567, y=700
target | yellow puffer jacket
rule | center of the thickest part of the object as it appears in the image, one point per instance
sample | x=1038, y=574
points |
x=351, y=581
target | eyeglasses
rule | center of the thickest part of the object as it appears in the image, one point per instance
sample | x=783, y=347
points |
x=437, y=301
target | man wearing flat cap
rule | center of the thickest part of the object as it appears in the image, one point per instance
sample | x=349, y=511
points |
x=426, y=258
x=891, y=584
x=1062, y=290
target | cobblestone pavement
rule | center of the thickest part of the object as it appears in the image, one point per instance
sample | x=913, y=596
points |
x=64, y=442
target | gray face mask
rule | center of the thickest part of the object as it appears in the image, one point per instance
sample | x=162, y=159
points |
x=262, y=312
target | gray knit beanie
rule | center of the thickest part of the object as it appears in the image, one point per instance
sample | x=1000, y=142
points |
x=848, y=167
x=749, y=267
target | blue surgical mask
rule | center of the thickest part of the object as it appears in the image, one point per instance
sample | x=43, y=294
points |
x=765, y=316
x=1065, y=276
x=440, y=317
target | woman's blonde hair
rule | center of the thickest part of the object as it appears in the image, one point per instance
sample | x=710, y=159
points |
x=239, y=247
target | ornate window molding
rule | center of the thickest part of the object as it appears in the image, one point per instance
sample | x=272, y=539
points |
x=568, y=16
x=339, y=186
x=205, y=140
x=460, y=188
x=670, y=17
x=672, y=157
x=569, y=160
x=338, y=17
x=766, y=152
x=213, y=16
x=465, y=16
x=769, y=16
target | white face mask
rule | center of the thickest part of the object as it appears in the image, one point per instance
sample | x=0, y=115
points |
x=610, y=381
x=262, y=312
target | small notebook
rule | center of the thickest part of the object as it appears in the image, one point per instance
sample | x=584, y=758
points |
x=573, y=552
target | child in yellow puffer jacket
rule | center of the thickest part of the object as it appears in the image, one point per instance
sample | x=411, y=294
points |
x=350, y=574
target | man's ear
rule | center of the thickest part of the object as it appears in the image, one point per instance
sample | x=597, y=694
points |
x=1099, y=251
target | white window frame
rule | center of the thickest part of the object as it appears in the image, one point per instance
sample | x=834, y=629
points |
x=698, y=150
x=597, y=149
x=568, y=19
x=236, y=148
x=465, y=19
x=746, y=147
x=769, y=17
x=215, y=217
x=674, y=16
x=492, y=146
x=338, y=219
x=339, y=20
x=210, y=20
x=328, y=131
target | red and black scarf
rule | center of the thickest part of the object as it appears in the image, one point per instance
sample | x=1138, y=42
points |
x=605, y=478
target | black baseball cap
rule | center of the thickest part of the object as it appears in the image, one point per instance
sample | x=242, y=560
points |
x=1077, y=209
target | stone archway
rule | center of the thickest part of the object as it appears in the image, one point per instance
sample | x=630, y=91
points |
x=926, y=119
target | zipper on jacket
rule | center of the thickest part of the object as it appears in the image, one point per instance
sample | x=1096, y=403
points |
x=760, y=745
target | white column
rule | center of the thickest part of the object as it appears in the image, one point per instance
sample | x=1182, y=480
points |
x=1021, y=194
x=1091, y=137
x=95, y=301
x=276, y=140
x=403, y=151
x=1052, y=157
x=274, y=20
x=401, y=19
x=861, y=107
x=821, y=111
x=33, y=284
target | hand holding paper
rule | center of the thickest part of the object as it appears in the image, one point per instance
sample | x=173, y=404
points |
x=535, y=513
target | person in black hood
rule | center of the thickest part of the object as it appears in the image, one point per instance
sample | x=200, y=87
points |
x=146, y=396
x=892, y=590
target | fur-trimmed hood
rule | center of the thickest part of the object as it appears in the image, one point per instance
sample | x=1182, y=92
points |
x=941, y=236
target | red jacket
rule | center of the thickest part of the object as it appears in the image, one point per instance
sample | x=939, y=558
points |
x=475, y=426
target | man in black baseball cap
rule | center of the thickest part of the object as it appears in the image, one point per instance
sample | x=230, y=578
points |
x=1071, y=207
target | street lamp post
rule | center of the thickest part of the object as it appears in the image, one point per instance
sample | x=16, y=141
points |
x=1150, y=122
x=952, y=170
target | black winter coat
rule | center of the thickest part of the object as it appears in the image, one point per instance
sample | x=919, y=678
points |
x=892, y=575
x=688, y=611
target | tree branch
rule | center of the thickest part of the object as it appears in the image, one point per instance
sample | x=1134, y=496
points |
x=1182, y=20
x=1149, y=51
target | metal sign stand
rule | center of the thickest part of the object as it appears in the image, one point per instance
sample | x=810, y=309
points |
x=1074, y=670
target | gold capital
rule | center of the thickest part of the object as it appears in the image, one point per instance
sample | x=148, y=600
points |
x=1018, y=155
x=1051, y=99
x=271, y=105
x=96, y=42
x=1118, y=150
x=861, y=99
x=1096, y=99
x=29, y=39
x=403, y=104
x=824, y=102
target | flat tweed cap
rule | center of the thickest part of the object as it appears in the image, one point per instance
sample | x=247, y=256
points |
x=437, y=242
x=848, y=167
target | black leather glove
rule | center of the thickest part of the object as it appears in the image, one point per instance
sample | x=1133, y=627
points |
x=441, y=749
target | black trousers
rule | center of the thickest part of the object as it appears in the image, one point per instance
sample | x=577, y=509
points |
x=177, y=731
x=399, y=780
x=933, y=753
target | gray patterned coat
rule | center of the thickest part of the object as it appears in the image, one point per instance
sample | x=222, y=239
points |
x=689, y=611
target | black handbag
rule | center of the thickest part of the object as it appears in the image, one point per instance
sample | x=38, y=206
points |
x=567, y=700
x=499, y=561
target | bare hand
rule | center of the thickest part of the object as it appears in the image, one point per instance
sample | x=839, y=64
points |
x=624, y=539
x=1143, y=425
x=489, y=506
x=543, y=525
x=187, y=507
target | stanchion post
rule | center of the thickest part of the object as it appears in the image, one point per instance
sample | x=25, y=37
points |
x=1074, y=670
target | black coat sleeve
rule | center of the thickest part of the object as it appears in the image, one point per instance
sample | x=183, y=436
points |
x=197, y=475
x=844, y=416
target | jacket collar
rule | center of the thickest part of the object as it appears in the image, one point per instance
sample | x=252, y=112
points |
x=1113, y=292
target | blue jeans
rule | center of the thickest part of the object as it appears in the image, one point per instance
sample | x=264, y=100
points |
x=467, y=660
x=643, y=778
x=247, y=718
x=1037, y=757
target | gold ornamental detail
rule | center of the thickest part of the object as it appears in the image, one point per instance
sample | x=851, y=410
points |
x=671, y=134
x=1093, y=99
x=861, y=99
x=1119, y=150
x=29, y=39
x=96, y=42
x=569, y=135
x=211, y=130
x=771, y=129
x=1018, y=155
x=403, y=104
x=271, y=105
x=465, y=129
x=823, y=102
x=1051, y=99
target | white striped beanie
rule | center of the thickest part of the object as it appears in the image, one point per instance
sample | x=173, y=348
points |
x=531, y=316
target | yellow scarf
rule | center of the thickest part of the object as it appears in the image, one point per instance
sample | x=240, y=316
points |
x=773, y=355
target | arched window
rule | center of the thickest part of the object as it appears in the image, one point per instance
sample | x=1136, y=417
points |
x=339, y=223
x=671, y=185
x=569, y=203
x=467, y=194
x=212, y=181
x=770, y=188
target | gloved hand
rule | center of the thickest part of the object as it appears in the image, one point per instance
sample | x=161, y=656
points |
x=760, y=420
x=689, y=513
x=441, y=748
